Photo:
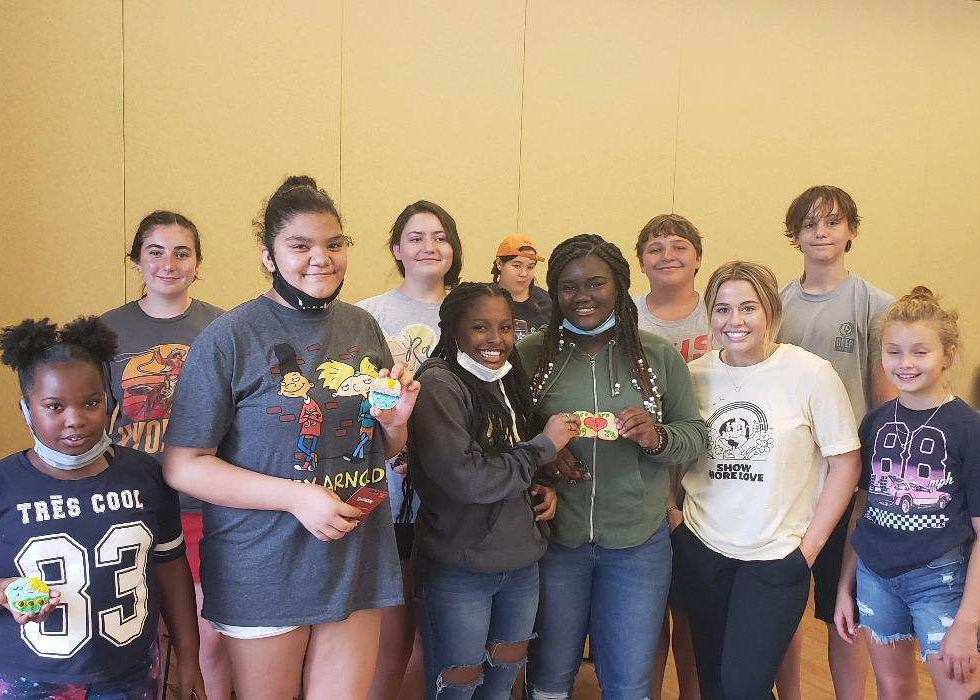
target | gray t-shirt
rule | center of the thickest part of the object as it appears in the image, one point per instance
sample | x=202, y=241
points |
x=690, y=335
x=411, y=328
x=149, y=358
x=840, y=326
x=284, y=393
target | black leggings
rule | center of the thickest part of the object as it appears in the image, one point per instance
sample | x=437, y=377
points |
x=743, y=615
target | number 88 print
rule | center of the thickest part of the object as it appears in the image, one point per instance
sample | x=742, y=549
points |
x=62, y=563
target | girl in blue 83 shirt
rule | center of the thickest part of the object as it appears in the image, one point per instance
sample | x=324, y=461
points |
x=94, y=521
x=912, y=550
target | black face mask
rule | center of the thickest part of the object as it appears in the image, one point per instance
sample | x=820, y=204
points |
x=297, y=298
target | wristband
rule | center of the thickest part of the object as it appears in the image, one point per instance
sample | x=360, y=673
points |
x=661, y=443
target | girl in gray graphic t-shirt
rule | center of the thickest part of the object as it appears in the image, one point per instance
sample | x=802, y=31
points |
x=273, y=428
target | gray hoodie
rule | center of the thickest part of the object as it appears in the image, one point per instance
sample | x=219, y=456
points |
x=476, y=512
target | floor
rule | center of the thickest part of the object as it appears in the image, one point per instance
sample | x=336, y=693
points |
x=815, y=684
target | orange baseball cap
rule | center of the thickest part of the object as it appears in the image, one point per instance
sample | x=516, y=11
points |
x=512, y=244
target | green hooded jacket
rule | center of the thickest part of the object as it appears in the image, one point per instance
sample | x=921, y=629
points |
x=624, y=502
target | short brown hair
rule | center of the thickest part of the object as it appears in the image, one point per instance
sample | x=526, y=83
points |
x=668, y=225
x=764, y=283
x=820, y=200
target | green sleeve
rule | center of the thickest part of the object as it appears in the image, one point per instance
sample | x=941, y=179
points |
x=687, y=434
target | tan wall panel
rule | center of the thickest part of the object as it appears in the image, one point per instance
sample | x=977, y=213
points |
x=600, y=105
x=879, y=105
x=61, y=180
x=224, y=99
x=432, y=95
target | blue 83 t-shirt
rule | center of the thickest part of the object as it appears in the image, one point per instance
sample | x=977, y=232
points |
x=923, y=484
x=96, y=540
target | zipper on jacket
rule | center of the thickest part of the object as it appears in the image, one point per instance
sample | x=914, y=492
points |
x=595, y=441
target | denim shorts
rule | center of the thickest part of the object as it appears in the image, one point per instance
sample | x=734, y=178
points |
x=919, y=604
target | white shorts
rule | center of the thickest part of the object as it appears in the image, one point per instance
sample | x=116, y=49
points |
x=238, y=632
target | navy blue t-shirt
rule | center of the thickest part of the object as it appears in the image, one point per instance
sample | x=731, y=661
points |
x=923, y=484
x=95, y=540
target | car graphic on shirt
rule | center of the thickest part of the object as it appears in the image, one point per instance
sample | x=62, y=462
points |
x=891, y=492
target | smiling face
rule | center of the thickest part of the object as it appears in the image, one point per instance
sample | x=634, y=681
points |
x=167, y=262
x=587, y=292
x=294, y=385
x=669, y=261
x=739, y=323
x=485, y=331
x=825, y=234
x=67, y=404
x=423, y=248
x=310, y=251
x=914, y=359
x=516, y=274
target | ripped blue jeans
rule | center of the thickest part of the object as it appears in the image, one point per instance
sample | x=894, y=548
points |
x=464, y=614
x=919, y=604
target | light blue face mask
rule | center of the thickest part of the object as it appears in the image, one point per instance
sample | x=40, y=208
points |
x=481, y=372
x=59, y=460
x=601, y=328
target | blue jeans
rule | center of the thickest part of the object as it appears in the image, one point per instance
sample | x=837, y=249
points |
x=920, y=603
x=463, y=615
x=617, y=597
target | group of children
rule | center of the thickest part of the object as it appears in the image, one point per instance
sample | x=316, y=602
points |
x=663, y=468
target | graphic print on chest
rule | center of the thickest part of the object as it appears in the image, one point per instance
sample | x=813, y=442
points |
x=844, y=342
x=148, y=382
x=910, y=483
x=323, y=433
x=739, y=439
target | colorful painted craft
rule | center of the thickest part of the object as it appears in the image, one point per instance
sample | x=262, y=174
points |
x=27, y=595
x=384, y=393
x=601, y=425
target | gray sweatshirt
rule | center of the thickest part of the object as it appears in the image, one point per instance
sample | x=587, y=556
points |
x=476, y=512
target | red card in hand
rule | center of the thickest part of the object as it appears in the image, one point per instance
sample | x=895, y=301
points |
x=367, y=499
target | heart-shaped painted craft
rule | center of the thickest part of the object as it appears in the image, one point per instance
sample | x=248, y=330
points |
x=595, y=423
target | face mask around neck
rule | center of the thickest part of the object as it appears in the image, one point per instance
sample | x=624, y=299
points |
x=481, y=372
x=297, y=298
x=60, y=460
x=598, y=330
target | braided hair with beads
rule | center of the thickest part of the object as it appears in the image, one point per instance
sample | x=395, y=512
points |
x=627, y=334
x=490, y=422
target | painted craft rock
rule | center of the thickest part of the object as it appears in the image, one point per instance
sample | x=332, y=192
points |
x=600, y=425
x=384, y=393
x=27, y=595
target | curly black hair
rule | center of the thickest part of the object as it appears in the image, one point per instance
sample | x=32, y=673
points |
x=33, y=343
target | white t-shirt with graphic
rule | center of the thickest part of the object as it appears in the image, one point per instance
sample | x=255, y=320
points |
x=771, y=428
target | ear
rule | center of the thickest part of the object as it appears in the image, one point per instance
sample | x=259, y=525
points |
x=396, y=252
x=496, y=263
x=267, y=261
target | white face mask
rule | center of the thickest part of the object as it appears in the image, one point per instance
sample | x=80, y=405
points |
x=59, y=460
x=479, y=371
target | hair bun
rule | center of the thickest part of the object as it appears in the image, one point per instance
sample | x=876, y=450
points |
x=923, y=293
x=294, y=181
x=90, y=333
x=21, y=343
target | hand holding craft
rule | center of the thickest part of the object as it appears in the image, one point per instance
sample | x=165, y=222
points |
x=322, y=512
x=636, y=424
x=561, y=428
x=388, y=413
x=28, y=599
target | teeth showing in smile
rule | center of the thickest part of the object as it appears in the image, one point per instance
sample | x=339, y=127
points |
x=490, y=354
x=736, y=335
x=586, y=311
x=906, y=377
